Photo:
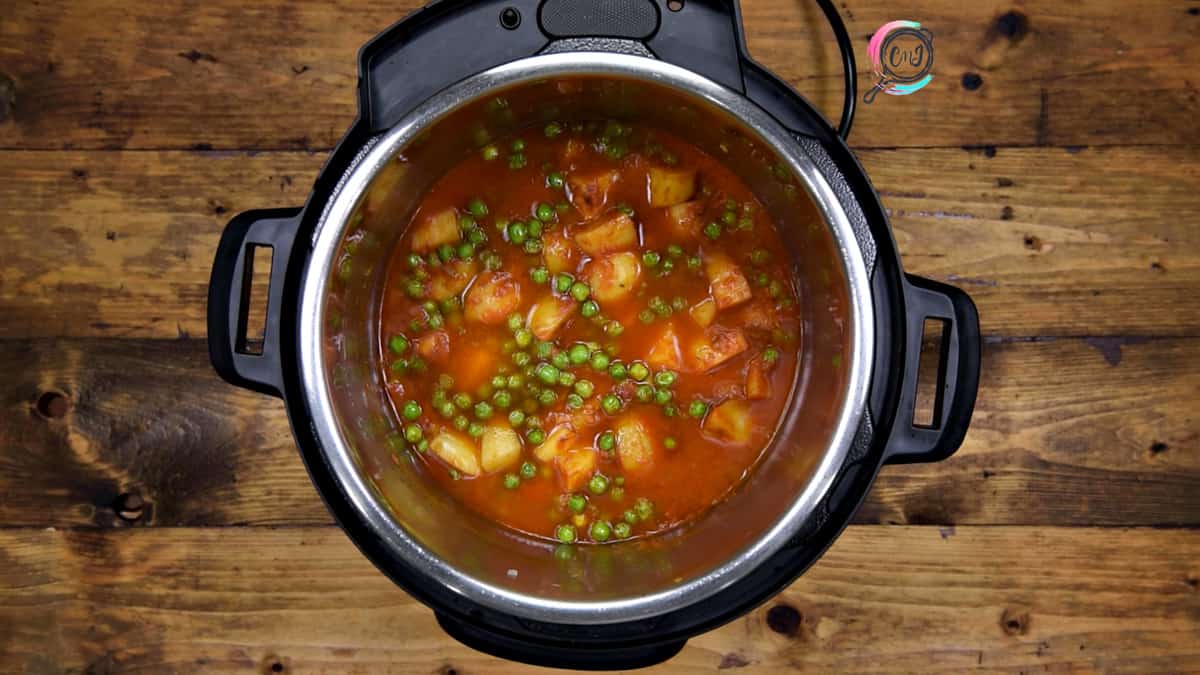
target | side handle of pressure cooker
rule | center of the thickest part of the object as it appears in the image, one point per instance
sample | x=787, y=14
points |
x=229, y=296
x=574, y=656
x=958, y=373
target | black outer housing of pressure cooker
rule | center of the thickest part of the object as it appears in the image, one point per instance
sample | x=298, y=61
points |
x=453, y=39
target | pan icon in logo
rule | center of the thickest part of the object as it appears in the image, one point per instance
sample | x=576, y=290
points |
x=902, y=57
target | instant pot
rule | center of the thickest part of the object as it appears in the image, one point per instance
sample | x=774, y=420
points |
x=447, y=80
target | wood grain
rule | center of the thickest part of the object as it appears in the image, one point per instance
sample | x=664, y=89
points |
x=1065, y=432
x=178, y=74
x=1049, y=242
x=994, y=599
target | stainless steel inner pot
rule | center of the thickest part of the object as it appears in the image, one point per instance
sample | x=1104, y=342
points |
x=491, y=565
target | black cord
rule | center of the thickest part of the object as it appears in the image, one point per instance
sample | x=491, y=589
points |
x=848, y=66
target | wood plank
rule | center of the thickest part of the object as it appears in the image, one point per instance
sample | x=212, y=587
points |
x=895, y=599
x=1049, y=242
x=1065, y=432
x=177, y=74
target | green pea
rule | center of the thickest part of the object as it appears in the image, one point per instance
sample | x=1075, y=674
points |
x=521, y=359
x=546, y=373
x=662, y=396
x=670, y=410
x=483, y=410
x=646, y=316
x=644, y=508
x=577, y=503
x=518, y=145
x=674, y=250
x=547, y=397
x=607, y=441
x=517, y=232
x=461, y=422
x=600, y=530
x=644, y=393
x=729, y=218
x=516, y=161
x=435, y=321
x=398, y=344
x=600, y=361
x=415, y=288
x=544, y=212
x=462, y=400
x=411, y=410
x=617, y=494
x=552, y=129
x=536, y=436
x=516, y=417
x=474, y=430
x=770, y=355
x=761, y=279
x=561, y=360
x=502, y=399
x=555, y=180
x=585, y=388
x=499, y=382
x=746, y=223
x=614, y=328
x=490, y=152
x=528, y=470
x=697, y=408
x=598, y=484
x=630, y=516
x=659, y=306
x=535, y=228
x=566, y=378
x=446, y=408
x=492, y=261
x=639, y=371
x=563, y=282
x=712, y=230
x=413, y=433
x=693, y=262
x=665, y=378
x=578, y=353
x=540, y=275
x=574, y=401
x=650, y=258
x=580, y=291
x=678, y=304
x=450, y=305
x=523, y=338
x=565, y=533
x=759, y=256
x=589, y=309
x=775, y=289
x=399, y=365
x=515, y=381
x=669, y=442
x=622, y=530
x=610, y=404
x=511, y=481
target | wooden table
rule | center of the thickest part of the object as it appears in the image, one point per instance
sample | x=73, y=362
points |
x=154, y=518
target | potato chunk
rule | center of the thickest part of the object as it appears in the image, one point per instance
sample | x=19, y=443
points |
x=434, y=346
x=500, y=448
x=664, y=351
x=758, y=385
x=556, y=443
x=684, y=219
x=589, y=191
x=704, y=312
x=558, y=253
x=456, y=450
x=726, y=282
x=729, y=422
x=435, y=230
x=760, y=315
x=634, y=447
x=718, y=345
x=669, y=187
x=450, y=279
x=613, y=276
x=574, y=467
x=614, y=232
x=548, y=316
x=492, y=297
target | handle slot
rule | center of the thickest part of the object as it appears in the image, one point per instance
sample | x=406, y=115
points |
x=255, y=303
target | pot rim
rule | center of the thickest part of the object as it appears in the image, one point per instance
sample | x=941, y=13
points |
x=357, y=489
